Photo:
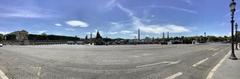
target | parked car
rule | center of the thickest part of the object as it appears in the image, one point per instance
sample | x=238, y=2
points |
x=1, y=45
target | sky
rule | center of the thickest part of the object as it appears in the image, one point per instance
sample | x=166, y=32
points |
x=117, y=18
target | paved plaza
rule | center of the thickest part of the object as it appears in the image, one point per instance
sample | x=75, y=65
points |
x=110, y=62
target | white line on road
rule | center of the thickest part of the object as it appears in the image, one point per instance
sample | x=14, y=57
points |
x=164, y=62
x=215, y=54
x=219, y=51
x=39, y=71
x=211, y=73
x=2, y=74
x=200, y=62
x=213, y=49
x=175, y=62
x=174, y=75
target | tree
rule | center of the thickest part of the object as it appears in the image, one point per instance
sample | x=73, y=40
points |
x=44, y=36
x=11, y=37
x=76, y=38
x=147, y=38
x=226, y=39
x=188, y=40
x=51, y=37
x=213, y=39
x=107, y=39
x=1, y=37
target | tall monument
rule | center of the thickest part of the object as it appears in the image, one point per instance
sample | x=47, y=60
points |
x=139, y=35
x=163, y=35
x=167, y=35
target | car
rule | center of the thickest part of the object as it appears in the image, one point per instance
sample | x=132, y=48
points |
x=1, y=45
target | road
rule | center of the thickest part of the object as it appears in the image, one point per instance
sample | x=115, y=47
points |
x=110, y=62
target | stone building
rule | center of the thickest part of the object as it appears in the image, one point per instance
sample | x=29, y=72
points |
x=21, y=37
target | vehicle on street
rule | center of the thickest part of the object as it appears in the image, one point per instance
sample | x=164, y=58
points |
x=1, y=45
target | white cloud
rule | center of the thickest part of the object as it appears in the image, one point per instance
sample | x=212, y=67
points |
x=126, y=32
x=70, y=29
x=115, y=26
x=175, y=8
x=188, y=2
x=223, y=24
x=121, y=32
x=76, y=23
x=4, y=32
x=111, y=4
x=156, y=28
x=42, y=31
x=87, y=32
x=9, y=11
x=130, y=13
x=135, y=35
x=166, y=28
x=24, y=15
x=112, y=33
x=58, y=24
x=153, y=28
x=152, y=16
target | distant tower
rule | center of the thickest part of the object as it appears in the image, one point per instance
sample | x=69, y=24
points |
x=205, y=34
x=163, y=36
x=91, y=40
x=90, y=35
x=167, y=35
x=205, y=37
x=153, y=39
x=138, y=34
x=86, y=37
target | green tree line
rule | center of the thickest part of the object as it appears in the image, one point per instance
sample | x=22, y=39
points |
x=12, y=37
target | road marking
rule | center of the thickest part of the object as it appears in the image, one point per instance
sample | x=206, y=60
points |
x=211, y=73
x=215, y=54
x=164, y=62
x=39, y=71
x=2, y=74
x=213, y=49
x=176, y=62
x=219, y=51
x=200, y=62
x=174, y=75
x=210, y=49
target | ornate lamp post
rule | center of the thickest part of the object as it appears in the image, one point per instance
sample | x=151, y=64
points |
x=233, y=9
x=236, y=27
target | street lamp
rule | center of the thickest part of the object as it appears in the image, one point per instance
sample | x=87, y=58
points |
x=233, y=9
x=236, y=27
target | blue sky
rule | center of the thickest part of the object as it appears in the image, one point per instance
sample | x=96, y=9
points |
x=116, y=18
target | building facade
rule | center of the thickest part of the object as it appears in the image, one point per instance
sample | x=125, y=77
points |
x=21, y=37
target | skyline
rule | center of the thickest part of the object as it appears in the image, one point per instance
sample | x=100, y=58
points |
x=117, y=18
